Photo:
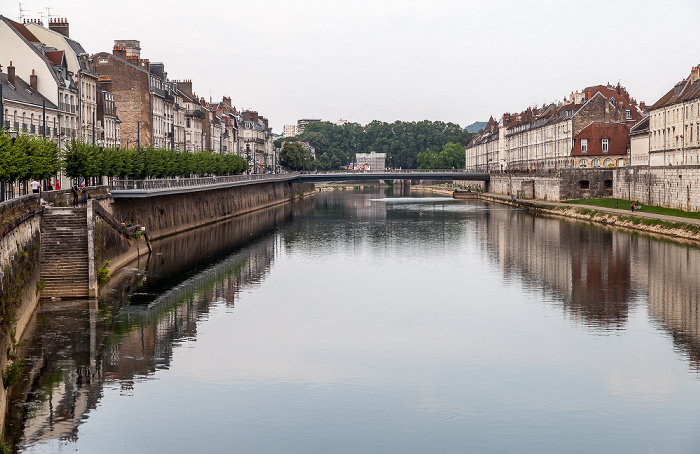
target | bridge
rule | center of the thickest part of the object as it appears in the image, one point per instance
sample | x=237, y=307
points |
x=126, y=189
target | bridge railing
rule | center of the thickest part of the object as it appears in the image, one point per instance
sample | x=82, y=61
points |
x=169, y=183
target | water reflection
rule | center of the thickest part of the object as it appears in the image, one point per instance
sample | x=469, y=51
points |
x=78, y=348
x=465, y=347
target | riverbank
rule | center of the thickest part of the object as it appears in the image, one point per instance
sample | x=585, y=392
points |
x=658, y=224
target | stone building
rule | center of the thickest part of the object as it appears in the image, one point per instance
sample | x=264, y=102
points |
x=23, y=107
x=48, y=73
x=108, y=123
x=674, y=124
x=256, y=141
x=194, y=133
x=80, y=64
x=543, y=138
x=602, y=144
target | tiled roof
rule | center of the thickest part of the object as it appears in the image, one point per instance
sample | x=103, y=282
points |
x=682, y=91
x=55, y=56
x=616, y=133
x=22, y=92
x=24, y=31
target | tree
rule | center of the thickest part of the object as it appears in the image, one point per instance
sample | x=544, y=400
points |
x=292, y=156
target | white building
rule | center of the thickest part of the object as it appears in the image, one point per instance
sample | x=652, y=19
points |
x=370, y=162
x=82, y=67
x=47, y=69
x=290, y=131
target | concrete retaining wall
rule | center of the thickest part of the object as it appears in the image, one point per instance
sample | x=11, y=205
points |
x=170, y=214
x=671, y=187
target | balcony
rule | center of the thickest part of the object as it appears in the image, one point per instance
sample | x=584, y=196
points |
x=195, y=114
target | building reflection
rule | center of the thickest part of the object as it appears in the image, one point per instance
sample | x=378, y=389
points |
x=586, y=269
x=674, y=294
x=77, y=349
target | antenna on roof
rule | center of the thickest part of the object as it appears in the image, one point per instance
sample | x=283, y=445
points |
x=21, y=13
x=210, y=101
x=48, y=14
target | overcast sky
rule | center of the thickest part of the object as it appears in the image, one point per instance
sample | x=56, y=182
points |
x=361, y=60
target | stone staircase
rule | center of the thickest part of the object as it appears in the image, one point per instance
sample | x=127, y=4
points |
x=64, y=253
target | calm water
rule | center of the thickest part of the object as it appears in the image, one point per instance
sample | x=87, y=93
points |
x=376, y=322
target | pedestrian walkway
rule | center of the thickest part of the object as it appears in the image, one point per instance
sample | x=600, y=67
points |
x=617, y=211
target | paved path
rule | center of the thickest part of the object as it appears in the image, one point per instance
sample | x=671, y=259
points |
x=627, y=212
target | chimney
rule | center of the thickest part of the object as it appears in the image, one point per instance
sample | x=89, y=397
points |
x=59, y=26
x=227, y=100
x=695, y=74
x=11, y=74
x=185, y=86
x=33, y=81
x=119, y=51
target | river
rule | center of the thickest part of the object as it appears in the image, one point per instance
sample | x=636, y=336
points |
x=375, y=321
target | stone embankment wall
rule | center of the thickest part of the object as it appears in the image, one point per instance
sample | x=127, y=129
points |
x=170, y=214
x=670, y=187
x=20, y=240
x=115, y=243
x=563, y=185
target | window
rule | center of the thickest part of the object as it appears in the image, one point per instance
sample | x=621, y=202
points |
x=584, y=145
x=628, y=114
x=605, y=145
x=583, y=163
x=596, y=163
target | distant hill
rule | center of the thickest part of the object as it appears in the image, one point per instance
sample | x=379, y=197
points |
x=476, y=126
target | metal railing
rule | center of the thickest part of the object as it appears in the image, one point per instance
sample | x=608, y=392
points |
x=171, y=183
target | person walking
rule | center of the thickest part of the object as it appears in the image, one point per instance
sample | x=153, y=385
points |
x=75, y=191
x=83, y=195
x=36, y=186
x=58, y=185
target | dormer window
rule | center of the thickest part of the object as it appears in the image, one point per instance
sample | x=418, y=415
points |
x=605, y=146
x=584, y=145
x=628, y=114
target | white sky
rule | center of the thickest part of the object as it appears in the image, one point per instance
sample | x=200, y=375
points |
x=410, y=60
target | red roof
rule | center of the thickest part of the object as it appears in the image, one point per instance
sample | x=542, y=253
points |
x=618, y=135
x=24, y=31
x=55, y=56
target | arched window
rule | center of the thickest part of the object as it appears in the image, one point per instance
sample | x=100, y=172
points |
x=620, y=162
x=595, y=163
x=608, y=163
x=583, y=163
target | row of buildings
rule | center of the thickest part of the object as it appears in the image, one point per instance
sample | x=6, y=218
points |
x=590, y=128
x=116, y=98
x=599, y=126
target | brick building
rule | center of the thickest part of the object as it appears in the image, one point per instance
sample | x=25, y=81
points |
x=128, y=80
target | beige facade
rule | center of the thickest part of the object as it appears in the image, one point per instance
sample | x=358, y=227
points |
x=544, y=138
x=674, y=124
x=82, y=67
x=290, y=131
x=46, y=68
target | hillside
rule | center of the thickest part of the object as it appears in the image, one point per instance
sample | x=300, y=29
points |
x=475, y=127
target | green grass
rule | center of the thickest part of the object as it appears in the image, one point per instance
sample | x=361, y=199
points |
x=625, y=205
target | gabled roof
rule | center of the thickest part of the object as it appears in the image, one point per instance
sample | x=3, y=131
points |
x=24, y=31
x=56, y=57
x=22, y=92
x=682, y=91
